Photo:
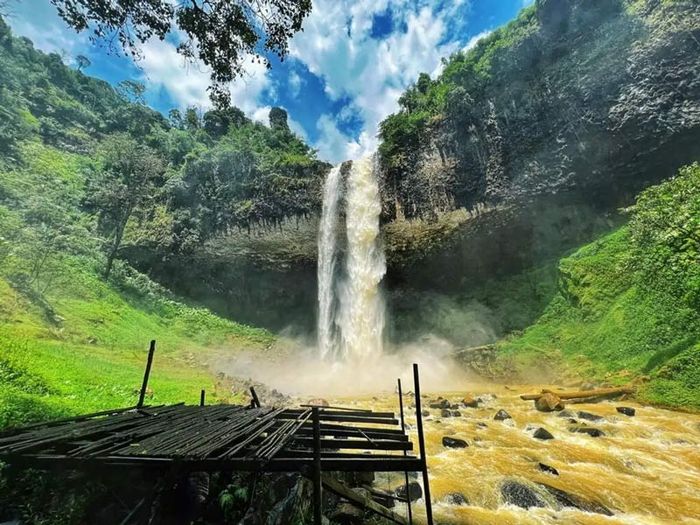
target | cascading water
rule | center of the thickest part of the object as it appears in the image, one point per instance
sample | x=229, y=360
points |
x=327, y=241
x=360, y=319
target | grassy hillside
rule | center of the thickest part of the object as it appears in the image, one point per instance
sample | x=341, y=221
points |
x=628, y=305
x=70, y=341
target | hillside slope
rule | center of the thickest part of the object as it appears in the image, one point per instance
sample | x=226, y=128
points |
x=628, y=304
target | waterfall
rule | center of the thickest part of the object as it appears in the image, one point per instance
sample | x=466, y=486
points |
x=351, y=313
x=327, y=241
x=361, y=301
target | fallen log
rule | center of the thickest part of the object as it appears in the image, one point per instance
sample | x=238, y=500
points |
x=601, y=392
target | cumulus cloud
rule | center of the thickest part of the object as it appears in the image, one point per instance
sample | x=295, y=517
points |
x=475, y=39
x=337, y=46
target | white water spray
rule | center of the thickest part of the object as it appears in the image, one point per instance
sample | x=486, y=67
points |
x=360, y=320
x=327, y=241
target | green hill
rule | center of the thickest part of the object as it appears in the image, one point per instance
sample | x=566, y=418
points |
x=628, y=304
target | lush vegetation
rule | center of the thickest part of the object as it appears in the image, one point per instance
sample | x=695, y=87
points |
x=628, y=305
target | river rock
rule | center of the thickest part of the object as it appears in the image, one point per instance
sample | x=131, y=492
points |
x=542, y=433
x=566, y=413
x=439, y=403
x=591, y=431
x=348, y=514
x=520, y=495
x=566, y=499
x=456, y=413
x=470, y=402
x=502, y=415
x=451, y=442
x=412, y=492
x=549, y=403
x=627, y=411
x=546, y=468
x=456, y=498
x=481, y=424
x=445, y=413
x=588, y=416
x=425, y=413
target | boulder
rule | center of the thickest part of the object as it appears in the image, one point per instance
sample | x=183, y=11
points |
x=456, y=498
x=520, y=495
x=627, y=411
x=549, y=403
x=412, y=491
x=501, y=415
x=566, y=413
x=546, y=468
x=588, y=416
x=470, y=402
x=566, y=499
x=445, y=413
x=542, y=433
x=451, y=442
x=593, y=432
x=348, y=514
x=439, y=404
x=456, y=413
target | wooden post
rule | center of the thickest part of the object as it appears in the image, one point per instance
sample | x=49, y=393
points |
x=144, y=385
x=256, y=401
x=421, y=445
x=202, y=397
x=403, y=429
x=318, y=501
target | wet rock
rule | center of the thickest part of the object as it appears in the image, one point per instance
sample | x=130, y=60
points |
x=439, y=403
x=470, y=402
x=456, y=498
x=425, y=413
x=566, y=413
x=588, y=416
x=591, y=431
x=481, y=424
x=627, y=411
x=486, y=398
x=501, y=415
x=347, y=514
x=546, y=468
x=445, y=413
x=542, y=433
x=549, y=403
x=456, y=413
x=412, y=492
x=520, y=495
x=451, y=442
x=566, y=499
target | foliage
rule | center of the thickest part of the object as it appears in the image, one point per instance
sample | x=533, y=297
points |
x=627, y=303
x=220, y=33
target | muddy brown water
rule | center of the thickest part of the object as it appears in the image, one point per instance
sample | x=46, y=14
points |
x=646, y=469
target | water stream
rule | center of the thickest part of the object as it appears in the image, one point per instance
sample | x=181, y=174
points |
x=646, y=469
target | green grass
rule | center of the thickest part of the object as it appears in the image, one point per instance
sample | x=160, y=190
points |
x=94, y=357
x=604, y=323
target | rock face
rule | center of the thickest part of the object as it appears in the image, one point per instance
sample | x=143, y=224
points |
x=549, y=403
x=451, y=442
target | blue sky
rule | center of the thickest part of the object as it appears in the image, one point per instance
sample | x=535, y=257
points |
x=344, y=74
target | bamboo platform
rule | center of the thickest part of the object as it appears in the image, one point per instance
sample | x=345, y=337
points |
x=180, y=439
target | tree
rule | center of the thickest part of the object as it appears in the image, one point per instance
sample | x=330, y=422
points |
x=132, y=90
x=82, y=62
x=220, y=33
x=125, y=183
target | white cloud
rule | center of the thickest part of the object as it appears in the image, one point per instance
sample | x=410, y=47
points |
x=475, y=39
x=295, y=82
x=372, y=72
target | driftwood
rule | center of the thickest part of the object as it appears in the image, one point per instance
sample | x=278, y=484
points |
x=601, y=392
